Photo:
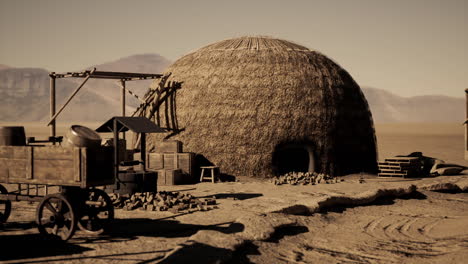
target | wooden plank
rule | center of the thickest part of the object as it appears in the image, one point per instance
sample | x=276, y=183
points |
x=168, y=146
x=171, y=177
x=396, y=167
x=54, y=172
x=161, y=177
x=185, y=162
x=402, y=159
x=387, y=164
x=17, y=167
x=13, y=152
x=30, y=163
x=55, y=153
x=3, y=170
x=84, y=168
x=394, y=171
x=401, y=163
x=391, y=175
x=170, y=161
x=77, y=164
x=155, y=161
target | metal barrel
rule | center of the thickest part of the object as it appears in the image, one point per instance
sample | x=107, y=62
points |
x=81, y=136
x=12, y=136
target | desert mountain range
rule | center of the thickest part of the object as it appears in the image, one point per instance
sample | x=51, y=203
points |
x=24, y=92
x=387, y=107
x=24, y=96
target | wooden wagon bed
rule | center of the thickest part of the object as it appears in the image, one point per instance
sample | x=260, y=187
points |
x=53, y=165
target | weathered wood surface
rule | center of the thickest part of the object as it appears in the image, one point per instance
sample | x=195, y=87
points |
x=169, y=177
x=171, y=161
x=56, y=166
x=168, y=146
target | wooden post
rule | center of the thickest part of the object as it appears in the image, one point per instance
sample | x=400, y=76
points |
x=122, y=100
x=52, y=104
x=466, y=125
x=116, y=150
x=143, y=150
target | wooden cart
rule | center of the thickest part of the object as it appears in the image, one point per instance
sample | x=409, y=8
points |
x=76, y=171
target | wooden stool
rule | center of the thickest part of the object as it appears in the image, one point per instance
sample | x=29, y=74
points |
x=212, y=177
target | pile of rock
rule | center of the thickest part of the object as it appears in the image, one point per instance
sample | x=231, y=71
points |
x=304, y=178
x=162, y=201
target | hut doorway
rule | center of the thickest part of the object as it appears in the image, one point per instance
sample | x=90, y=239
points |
x=293, y=157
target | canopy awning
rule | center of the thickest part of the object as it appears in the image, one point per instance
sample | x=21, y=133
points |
x=134, y=124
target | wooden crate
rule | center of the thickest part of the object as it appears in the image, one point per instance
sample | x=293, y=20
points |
x=53, y=165
x=171, y=161
x=168, y=146
x=169, y=177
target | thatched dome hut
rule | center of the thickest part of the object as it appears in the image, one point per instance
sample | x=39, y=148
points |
x=261, y=106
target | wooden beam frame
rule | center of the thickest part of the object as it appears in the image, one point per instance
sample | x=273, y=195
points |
x=94, y=74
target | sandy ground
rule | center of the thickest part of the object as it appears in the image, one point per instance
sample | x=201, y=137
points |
x=431, y=228
x=258, y=222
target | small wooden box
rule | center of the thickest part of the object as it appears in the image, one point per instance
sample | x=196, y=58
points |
x=169, y=177
x=168, y=146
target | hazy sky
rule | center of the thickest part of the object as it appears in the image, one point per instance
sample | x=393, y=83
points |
x=409, y=47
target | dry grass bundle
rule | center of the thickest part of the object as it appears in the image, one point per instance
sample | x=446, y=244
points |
x=242, y=98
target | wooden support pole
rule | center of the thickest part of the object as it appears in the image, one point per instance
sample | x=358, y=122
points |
x=143, y=150
x=116, y=149
x=122, y=96
x=466, y=125
x=158, y=117
x=166, y=111
x=122, y=100
x=171, y=109
x=52, y=105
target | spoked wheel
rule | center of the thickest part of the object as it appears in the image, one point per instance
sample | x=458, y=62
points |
x=98, y=212
x=55, y=217
x=5, y=206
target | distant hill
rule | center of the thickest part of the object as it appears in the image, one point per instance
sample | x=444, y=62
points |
x=387, y=107
x=24, y=92
x=142, y=63
x=24, y=96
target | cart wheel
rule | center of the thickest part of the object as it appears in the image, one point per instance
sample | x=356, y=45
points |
x=55, y=217
x=5, y=206
x=96, y=216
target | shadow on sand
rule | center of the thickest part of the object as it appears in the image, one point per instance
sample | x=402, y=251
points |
x=37, y=246
x=385, y=200
x=235, y=196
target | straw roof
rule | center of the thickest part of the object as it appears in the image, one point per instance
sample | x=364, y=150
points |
x=242, y=98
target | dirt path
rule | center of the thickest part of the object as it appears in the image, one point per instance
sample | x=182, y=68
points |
x=249, y=216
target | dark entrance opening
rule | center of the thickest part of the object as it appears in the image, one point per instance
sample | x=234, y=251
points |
x=293, y=158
